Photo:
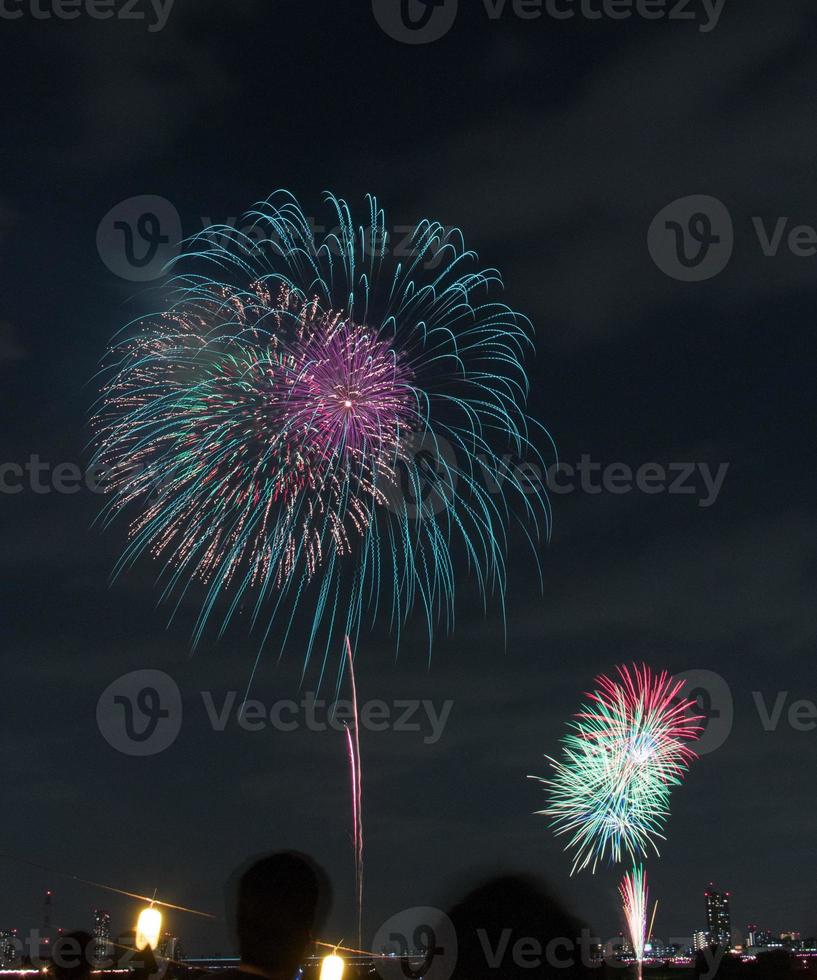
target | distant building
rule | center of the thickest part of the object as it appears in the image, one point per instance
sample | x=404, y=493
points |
x=718, y=919
x=102, y=935
x=170, y=947
x=9, y=946
x=47, y=910
x=657, y=949
x=700, y=940
x=47, y=931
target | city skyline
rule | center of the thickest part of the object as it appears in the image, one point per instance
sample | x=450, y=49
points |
x=715, y=908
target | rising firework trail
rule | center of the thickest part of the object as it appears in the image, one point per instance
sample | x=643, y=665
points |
x=323, y=424
x=353, y=745
x=626, y=750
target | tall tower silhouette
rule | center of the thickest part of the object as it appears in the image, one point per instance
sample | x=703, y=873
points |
x=47, y=910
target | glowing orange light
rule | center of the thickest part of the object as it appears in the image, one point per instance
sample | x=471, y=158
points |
x=332, y=967
x=148, y=928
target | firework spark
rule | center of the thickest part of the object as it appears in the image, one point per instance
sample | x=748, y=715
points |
x=635, y=900
x=269, y=432
x=627, y=749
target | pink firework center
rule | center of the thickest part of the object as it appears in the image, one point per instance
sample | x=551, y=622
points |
x=346, y=392
x=300, y=428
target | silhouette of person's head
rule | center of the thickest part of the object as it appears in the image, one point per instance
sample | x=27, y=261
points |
x=71, y=956
x=280, y=899
x=509, y=927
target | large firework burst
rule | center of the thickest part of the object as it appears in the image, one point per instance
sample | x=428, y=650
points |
x=627, y=749
x=272, y=430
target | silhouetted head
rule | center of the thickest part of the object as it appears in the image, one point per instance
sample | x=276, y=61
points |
x=280, y=898
x=510, y=928
x=71, y=956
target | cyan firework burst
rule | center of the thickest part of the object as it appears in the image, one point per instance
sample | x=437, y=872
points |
x=627, y=749
x=269, y=430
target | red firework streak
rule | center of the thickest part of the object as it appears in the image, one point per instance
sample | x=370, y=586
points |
x=353, y=744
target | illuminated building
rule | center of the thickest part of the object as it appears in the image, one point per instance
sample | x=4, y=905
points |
x=8, y=948
x=718, y=920
x=102, y=935
x=700, y=940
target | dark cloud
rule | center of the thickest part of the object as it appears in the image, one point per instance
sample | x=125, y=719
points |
x=668, y=118
x=11, y=349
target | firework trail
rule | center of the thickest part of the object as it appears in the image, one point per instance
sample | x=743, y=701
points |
x=627, y=749
x=635, y=900
x=353, y=744
x=269, y=430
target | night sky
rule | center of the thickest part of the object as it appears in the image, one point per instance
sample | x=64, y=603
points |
x=553, y=144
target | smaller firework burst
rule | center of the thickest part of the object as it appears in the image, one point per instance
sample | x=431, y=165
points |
x=635, y=899
x=627, y=749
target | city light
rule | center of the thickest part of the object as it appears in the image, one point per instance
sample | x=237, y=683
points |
x=332, y=967
x=148, y=928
